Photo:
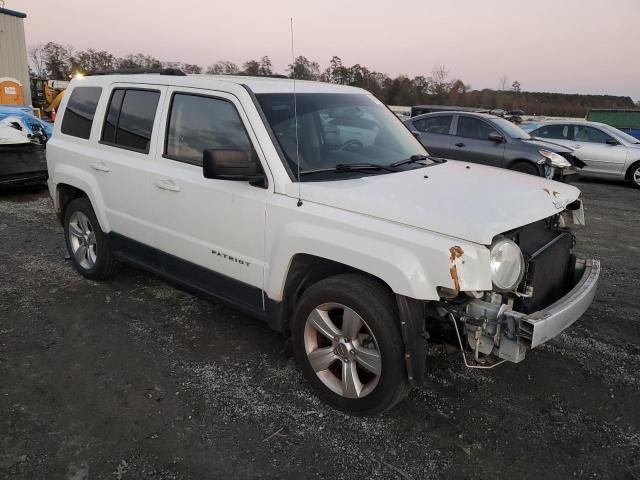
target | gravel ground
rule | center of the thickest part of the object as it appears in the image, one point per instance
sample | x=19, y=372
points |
x=134, y=379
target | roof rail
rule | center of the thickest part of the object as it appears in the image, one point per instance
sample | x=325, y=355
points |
x=272, y=75
x=139, y=71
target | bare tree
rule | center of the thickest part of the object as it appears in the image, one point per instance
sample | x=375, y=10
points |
x=223, y=67
x=504, y=82
x=440, y=82
x=515, y=86
x=37, y=61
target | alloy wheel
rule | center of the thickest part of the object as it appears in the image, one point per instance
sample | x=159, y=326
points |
x=342, y=350
x=82, y=238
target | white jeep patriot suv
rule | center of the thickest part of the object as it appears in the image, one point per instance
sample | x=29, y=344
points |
x=320, y=213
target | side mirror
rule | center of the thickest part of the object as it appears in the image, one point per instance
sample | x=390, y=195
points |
x=230, y=165
x=612, y=141
x=496, y=137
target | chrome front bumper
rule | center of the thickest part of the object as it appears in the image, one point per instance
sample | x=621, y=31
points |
x=536, y=328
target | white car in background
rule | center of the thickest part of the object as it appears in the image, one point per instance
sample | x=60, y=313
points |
x=605, y=149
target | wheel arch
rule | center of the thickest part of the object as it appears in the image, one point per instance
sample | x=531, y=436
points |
x=72, y=182
x=632, y=167
x=518, y=160
x=304, y=271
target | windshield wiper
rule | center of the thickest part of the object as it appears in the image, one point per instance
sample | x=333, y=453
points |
x=352, y=167
x=412, y=159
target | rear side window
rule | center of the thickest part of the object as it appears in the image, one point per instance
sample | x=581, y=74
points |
x=81, y=108
x=559, y=132
x=199, y=123
x=129, y=119
x=439, y=124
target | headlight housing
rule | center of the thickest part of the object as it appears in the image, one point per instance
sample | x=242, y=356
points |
x=507, y=264
x=553, y=159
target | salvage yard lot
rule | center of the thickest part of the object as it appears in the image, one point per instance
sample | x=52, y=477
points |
x=133, y=378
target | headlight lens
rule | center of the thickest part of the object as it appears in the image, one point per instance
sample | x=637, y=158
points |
x=507, y=264
x=554, y=160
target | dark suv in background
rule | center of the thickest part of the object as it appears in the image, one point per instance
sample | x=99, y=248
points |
x=491, y=140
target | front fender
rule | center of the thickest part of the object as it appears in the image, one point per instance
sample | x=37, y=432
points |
x=412, y=262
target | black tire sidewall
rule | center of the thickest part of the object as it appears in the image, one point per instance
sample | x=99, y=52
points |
x=373, y=304
x=526, y=167
x=633, y=169
x=103, y=258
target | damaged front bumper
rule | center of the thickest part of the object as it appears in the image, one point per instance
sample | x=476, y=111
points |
x=499, y=331
x=536, y=328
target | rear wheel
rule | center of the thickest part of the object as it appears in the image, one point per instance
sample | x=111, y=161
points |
x=633, y=175
x=86, y=242
x=525, y=167
x=347, y=341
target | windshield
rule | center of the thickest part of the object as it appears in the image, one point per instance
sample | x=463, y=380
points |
x=511, y=129
x=337, y=129
x=529, y=127
x=620, y=134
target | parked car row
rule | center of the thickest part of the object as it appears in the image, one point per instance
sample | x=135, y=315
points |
x=491, y=140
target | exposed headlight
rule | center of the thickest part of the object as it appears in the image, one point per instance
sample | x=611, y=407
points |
x=553, y=159
x=507, y=264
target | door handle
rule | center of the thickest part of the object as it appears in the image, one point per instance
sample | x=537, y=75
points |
x=459, y=144
x=576, y=146
x=100, y=166
x=167, y=184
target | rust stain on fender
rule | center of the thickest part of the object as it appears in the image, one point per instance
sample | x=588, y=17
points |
x=455, y=253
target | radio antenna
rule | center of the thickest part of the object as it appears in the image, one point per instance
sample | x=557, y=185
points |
x=295, y=112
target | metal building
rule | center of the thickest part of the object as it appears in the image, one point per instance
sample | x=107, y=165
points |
x=13, y=55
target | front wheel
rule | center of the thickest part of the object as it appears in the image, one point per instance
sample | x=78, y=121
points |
x=633, y=175
x=347, y=341
x=525, y=167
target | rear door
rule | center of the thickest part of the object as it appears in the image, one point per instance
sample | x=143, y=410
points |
x=124, y=156
x=471, y=142
x=435, y=134
x=592, y=147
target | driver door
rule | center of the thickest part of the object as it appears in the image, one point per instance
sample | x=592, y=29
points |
x=214, y=226
x=590, y=145
x=472, y=144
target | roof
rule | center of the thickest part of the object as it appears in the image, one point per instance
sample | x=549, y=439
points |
x=13, y=13
x=449, y=112
x=450, y=108
x=256, y=84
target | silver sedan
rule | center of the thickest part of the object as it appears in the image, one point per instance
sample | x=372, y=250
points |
x=605, y=149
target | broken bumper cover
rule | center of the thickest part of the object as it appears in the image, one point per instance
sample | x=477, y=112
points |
x=536, y=328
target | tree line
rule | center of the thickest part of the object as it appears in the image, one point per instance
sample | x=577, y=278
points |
x=58, y=62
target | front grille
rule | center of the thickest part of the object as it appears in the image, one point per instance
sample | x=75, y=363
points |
x=549, y=270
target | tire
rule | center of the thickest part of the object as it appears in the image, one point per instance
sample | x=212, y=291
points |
x=525, y=167
x=350, y=355
x=86, y=242
x=633, y=175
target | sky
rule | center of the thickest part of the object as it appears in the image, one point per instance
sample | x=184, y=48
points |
x=569, y=46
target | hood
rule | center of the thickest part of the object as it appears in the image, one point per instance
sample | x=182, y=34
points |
x=553, y=147
x=463, y=200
